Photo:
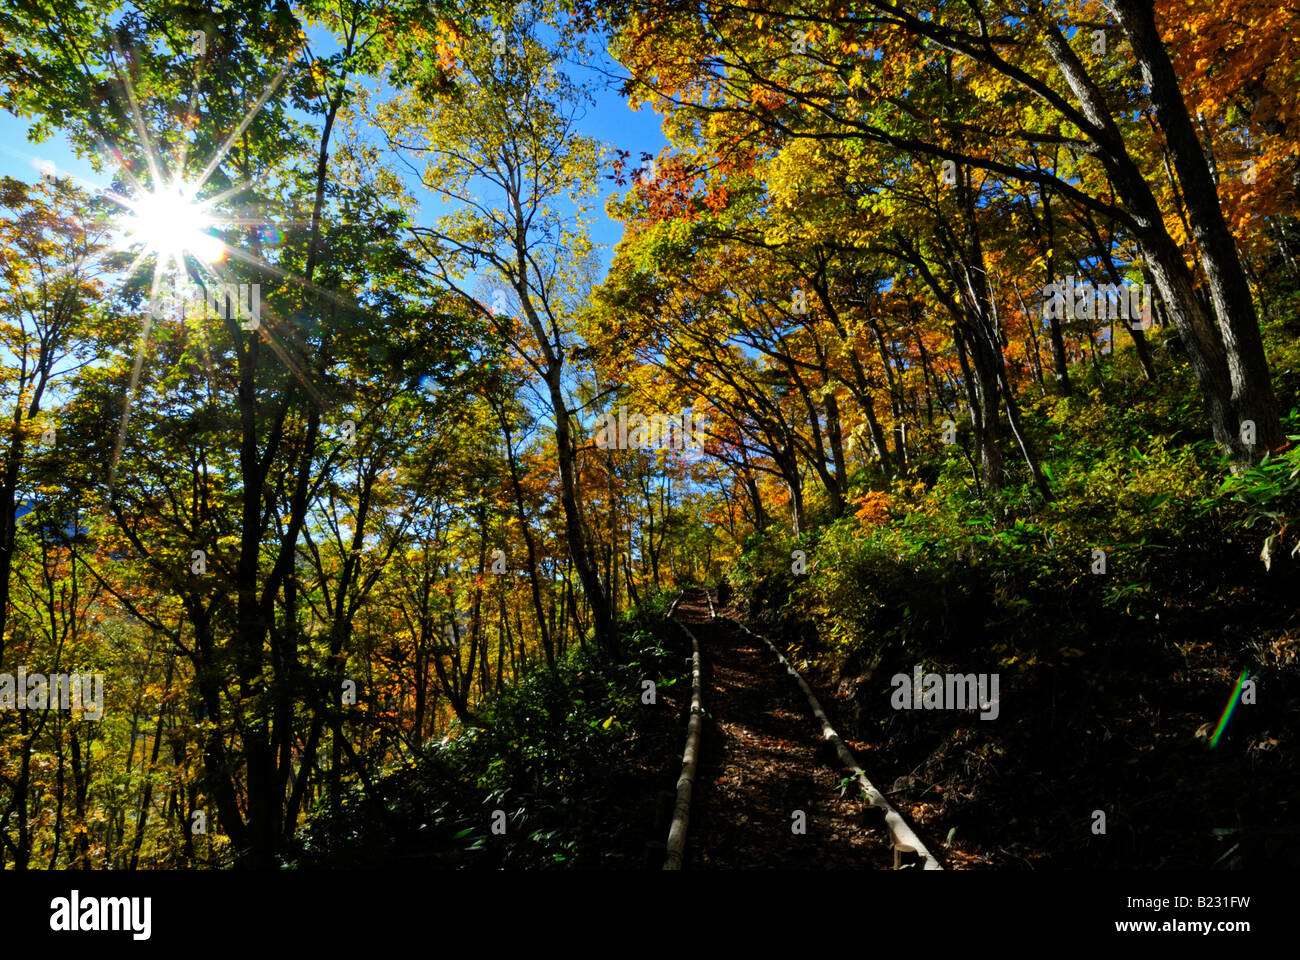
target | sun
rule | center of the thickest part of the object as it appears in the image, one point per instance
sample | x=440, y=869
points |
x=170, y=223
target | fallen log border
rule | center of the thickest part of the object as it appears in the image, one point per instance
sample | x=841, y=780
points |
x=904, y=838
x=690, y=756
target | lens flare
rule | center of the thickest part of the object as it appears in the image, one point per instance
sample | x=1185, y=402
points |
x=1228, y=710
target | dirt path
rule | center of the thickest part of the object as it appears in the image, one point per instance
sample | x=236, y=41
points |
x=763, y=759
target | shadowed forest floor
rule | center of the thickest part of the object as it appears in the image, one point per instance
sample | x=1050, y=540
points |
x=764, y=758
x=1013, y=796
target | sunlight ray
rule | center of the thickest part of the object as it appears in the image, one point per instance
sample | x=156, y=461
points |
x=243, y=125
x=137, y=121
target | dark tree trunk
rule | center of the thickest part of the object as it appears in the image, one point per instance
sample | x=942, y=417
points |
x=1252, y=397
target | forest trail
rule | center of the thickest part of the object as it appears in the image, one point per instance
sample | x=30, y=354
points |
x=763, y=758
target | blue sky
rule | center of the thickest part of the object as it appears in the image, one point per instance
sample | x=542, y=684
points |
x=610, y=120
x=613, y=122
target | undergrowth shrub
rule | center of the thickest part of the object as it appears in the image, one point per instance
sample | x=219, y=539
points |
x=546, y=751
